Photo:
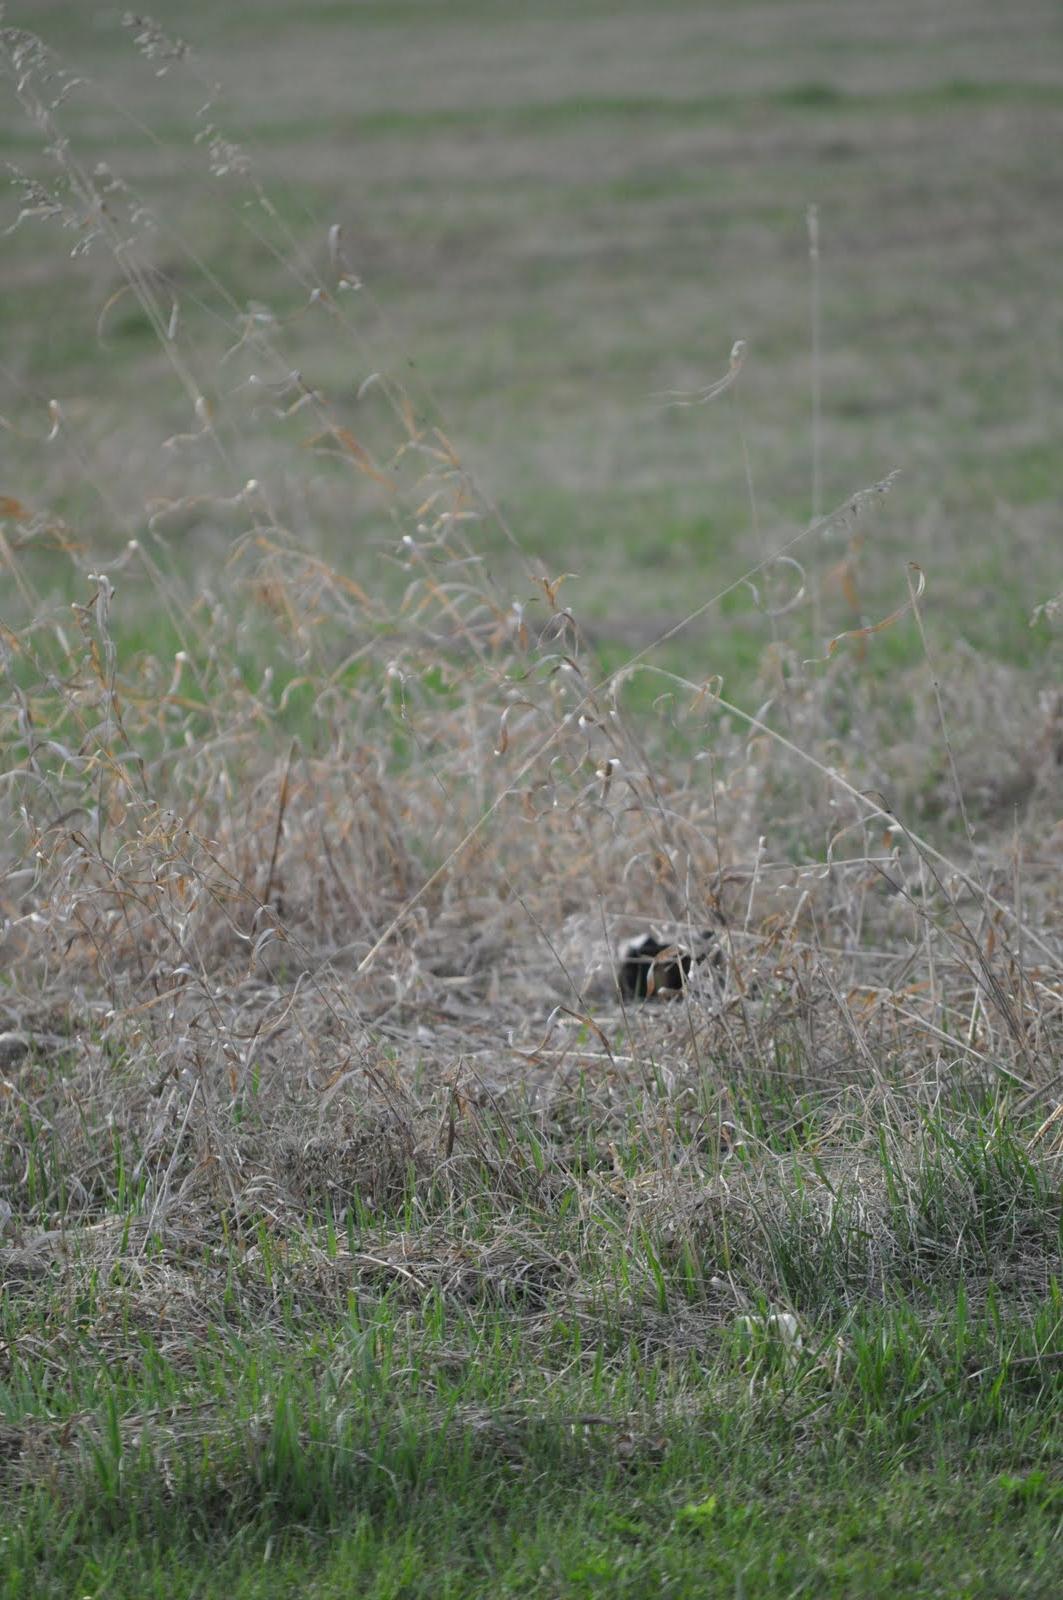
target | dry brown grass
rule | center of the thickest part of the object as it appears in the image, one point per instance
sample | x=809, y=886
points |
x=318, y=914
x=462, y=816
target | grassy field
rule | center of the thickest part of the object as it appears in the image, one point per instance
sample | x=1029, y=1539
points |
x=558, y=218
x=357, y=1234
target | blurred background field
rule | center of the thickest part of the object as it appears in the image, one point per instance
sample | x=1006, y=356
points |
x=556, y=216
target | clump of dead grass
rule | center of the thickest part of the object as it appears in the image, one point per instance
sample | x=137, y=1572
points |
x=310, y=917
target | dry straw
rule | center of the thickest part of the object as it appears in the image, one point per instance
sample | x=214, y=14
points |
x=320, y=901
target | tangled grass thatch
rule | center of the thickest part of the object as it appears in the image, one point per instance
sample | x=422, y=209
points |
x=311, y=896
